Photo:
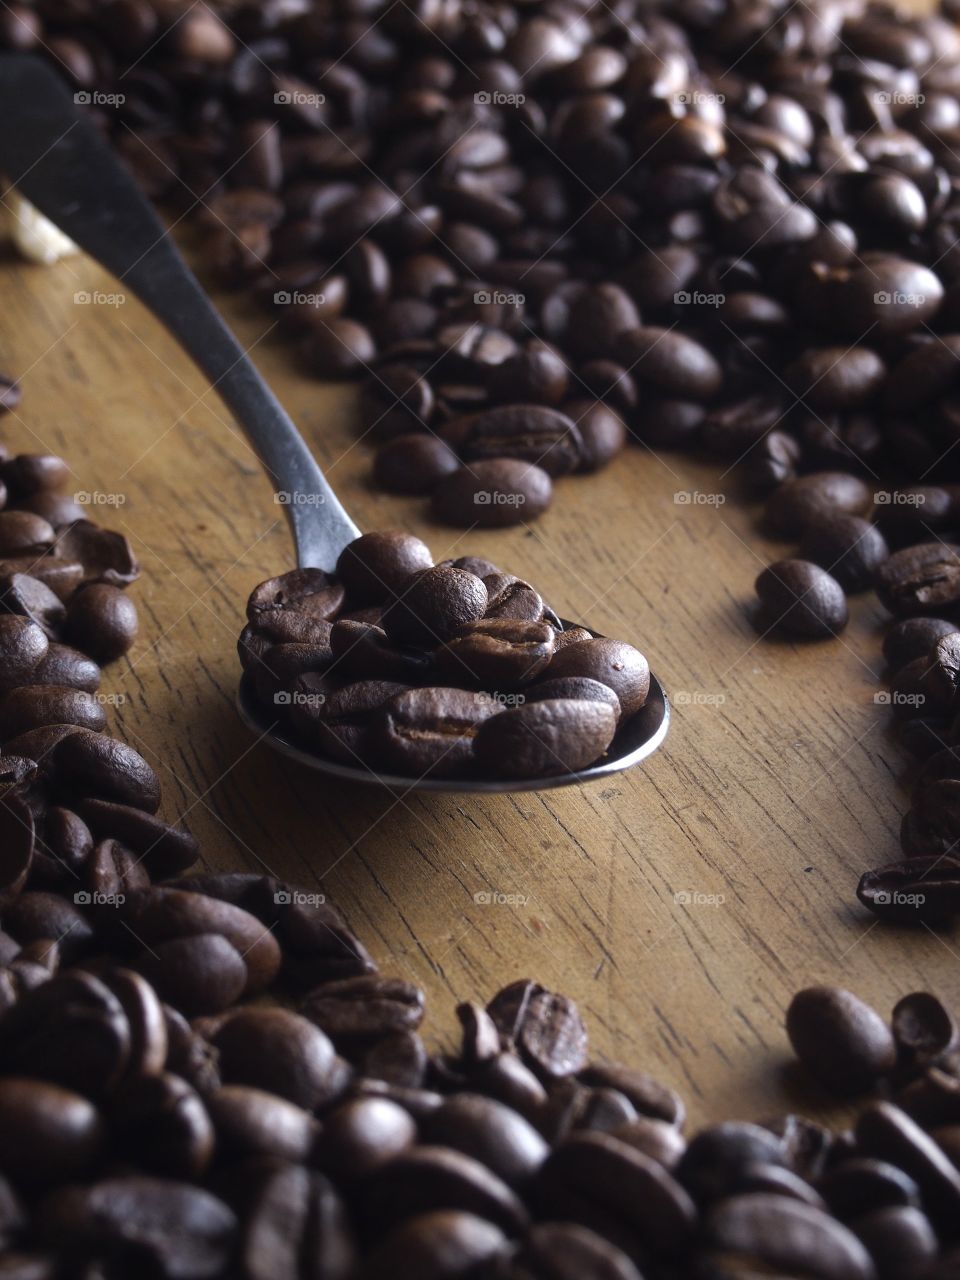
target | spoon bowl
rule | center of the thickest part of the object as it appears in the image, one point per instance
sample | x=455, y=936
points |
x=62, y=165
x=636, y=739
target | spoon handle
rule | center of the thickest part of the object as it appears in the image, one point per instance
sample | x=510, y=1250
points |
x=62, y=164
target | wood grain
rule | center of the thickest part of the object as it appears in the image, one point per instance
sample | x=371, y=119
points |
x=778, y=784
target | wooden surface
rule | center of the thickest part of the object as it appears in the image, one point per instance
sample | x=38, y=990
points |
x=778, y=784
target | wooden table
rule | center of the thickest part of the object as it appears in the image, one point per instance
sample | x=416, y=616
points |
x=681, y=904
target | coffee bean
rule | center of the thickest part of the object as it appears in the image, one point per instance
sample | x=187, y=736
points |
x=363, y=1134
x=444, y=1243
x=673, y=363
x=849, y=548
x=414, y=463
x=33, y=706
x=554, y=736
x=434, y=605
x=783, y=1235
x=105, y=556
x=47, y=1134
x=922, y=1028
x=361, y=1009
x=374, y=566
x=201, y=973
x=800, y=503
x=101, y=621
x=619, y=666
x=913, y=638
x=493, y=493
x=65, y=666
x=105, y=768
x=161, y=1123
x=531, y=433
x=428, y=1178
x=922, y=579
x=278, y=1051
x=839, y=1039
x=23, y=647
x=799, y=597
x=498, y=653
x=489, y=1132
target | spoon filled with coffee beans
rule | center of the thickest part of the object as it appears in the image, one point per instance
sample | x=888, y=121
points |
x=369, y=661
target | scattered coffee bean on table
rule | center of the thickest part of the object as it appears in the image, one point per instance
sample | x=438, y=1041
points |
x=456, y=669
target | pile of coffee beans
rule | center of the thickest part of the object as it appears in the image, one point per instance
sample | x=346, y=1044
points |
x=453, y=669
x=541, y=230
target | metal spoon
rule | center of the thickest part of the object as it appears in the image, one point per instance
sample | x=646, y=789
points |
x=61, y=164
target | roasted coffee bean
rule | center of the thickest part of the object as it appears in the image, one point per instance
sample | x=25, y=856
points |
x=278, y=1051
x=498, y=653
x=63, y=665
x=160, y=1122
x=802, y=599
x=611, y=662
x=913, y=638
x=553, y=736
x=839, y=1039
x=603, y=432
x=803, y=502
x=47, y=1134
x=434, y=605
x=530, y=433
x=201, y=973
x=166, y=850
x=309, y=592
x=922, y=579
x=414, y=463
x=671, y=362
x=439, y=1244
x=783, y=1235
x=34, y=706
x=23, y=533
x=23, y=647
x=362, y=1134
x=862, y=1184
x=493, y=493
x=104, y=768
x=848, y=547
x=364, y=1009
x=717, y=1157
x=923, y=1028
x=576, y=687
x=177, y=1228
x=374, y=566
x=428, y=1178
x=489, y=1132
x=509, y=597
x=105, y=556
